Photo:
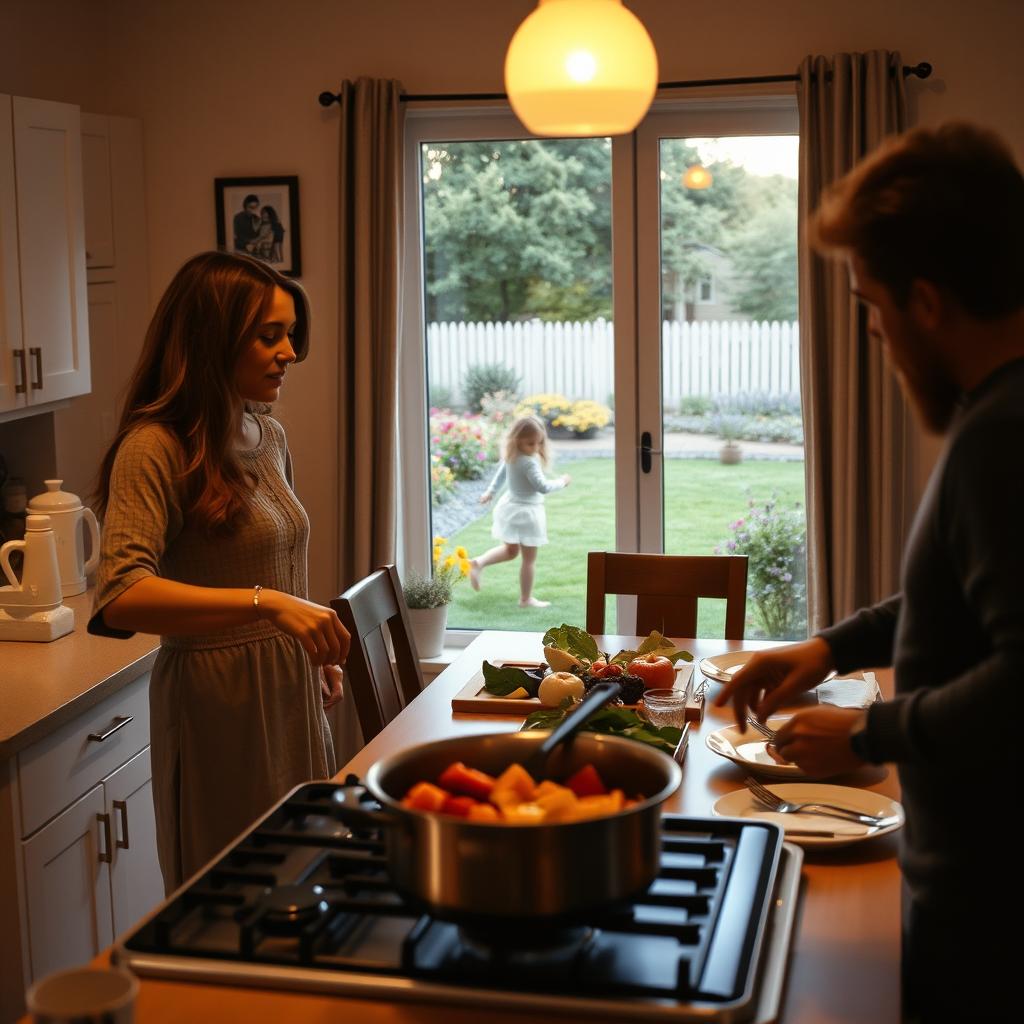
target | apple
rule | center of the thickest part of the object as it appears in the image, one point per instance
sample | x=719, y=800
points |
x=656, y=671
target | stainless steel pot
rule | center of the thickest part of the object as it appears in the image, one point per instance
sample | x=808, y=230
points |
x=475, y=872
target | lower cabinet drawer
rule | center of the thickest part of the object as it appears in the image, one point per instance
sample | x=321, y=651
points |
x=57, y=770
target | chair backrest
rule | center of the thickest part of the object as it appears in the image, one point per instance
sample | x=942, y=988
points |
x=380, y=689
x=667, y=588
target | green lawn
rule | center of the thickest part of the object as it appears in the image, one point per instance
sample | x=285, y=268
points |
x=701, y=498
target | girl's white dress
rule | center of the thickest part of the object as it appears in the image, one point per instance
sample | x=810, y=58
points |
x=519, y=516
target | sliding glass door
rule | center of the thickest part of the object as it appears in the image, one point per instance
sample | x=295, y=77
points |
x=584, y=282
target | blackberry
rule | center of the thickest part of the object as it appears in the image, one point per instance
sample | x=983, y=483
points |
x=632, y=686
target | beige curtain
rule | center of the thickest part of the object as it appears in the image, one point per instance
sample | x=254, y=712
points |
x=855, y=419
x=369, y=233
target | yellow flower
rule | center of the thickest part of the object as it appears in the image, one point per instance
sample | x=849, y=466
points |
x=464, y=566
x=438, y=541
x=437, y=555
x=450, y=562
x=461, y=552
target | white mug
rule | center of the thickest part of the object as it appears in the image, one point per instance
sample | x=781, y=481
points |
x=84, y=995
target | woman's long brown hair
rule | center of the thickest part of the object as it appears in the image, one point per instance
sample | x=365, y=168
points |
x=185, y=379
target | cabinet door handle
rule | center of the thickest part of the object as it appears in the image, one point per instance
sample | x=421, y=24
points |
x=119, y=723
x=37, y=354
x=107, y=853
x=21, y=384
x=121, y=806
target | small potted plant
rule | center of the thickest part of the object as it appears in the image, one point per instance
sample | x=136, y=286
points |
x=428, y=597
x=730, y=430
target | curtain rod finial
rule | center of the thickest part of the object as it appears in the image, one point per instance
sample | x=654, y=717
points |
x=327, y=98
x=922, y=70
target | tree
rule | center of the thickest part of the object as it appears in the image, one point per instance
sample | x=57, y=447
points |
x=764, y=257
x=518, y=229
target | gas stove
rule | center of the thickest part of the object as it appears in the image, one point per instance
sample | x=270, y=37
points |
x=301, y=902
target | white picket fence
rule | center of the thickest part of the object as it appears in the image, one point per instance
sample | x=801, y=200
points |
x=708, y=358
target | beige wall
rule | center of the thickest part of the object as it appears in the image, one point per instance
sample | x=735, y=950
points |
x=228, y=87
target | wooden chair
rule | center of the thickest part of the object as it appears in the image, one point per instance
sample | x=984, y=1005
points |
x=667, y=588
x=380, y=689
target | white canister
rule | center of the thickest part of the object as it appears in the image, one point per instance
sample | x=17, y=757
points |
x=69, y=518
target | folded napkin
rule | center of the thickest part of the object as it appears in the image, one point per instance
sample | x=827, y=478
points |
x=808, y=822
x=850, y=693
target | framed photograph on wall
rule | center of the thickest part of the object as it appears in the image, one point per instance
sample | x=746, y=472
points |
x=260, y=216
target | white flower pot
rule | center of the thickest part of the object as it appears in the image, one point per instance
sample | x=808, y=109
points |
x=428, y=626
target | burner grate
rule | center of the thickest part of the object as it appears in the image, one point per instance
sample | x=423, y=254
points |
x=302, y=894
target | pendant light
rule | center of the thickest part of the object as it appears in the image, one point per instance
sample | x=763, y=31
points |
x=697, y=177
x=581, y=68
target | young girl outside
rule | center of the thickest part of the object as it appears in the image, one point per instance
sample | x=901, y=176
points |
x=519, y=519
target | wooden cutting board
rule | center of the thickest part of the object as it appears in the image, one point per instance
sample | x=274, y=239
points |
x=473, y=698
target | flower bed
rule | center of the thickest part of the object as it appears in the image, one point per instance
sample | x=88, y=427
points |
x=463, y=444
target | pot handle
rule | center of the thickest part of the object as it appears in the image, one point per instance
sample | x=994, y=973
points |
x=350, y=809
x=94, y=536
x=5, y=561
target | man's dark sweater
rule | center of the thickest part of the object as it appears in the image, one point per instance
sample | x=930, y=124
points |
x=955, y=637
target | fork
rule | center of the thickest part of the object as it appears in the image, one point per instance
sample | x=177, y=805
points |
x=775, y=803
x=764, y=730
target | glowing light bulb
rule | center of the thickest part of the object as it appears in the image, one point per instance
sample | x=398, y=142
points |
x=697, y=177
x=581, y=66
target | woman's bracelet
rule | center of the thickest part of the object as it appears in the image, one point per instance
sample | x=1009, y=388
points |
x=256, y=598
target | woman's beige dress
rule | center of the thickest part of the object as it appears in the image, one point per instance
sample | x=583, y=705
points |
x=236, y=717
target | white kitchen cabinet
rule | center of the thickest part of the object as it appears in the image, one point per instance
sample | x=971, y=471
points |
x=49, y=361
x=136, y=886
x=98, y=192
x=67, y=887
x=78, y=859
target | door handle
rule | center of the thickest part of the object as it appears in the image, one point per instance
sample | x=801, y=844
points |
x=21, y=388
x=121, y=806
x=646, y=451
x=106, y=854
x=37, y=354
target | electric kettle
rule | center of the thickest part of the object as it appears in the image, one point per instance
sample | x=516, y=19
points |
x=70, y=519
x=31, y=608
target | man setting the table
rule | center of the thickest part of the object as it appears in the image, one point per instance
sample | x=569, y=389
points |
x=932, y=227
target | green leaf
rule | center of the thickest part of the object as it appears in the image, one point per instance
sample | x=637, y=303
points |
x=546, y=718
x=573, y=640
x=503, y=681
x=613, y=720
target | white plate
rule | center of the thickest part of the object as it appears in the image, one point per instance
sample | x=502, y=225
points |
x=741, y=804
x=747, y=749
x=722, y=666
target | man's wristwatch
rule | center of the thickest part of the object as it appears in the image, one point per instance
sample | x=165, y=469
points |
x=859, y=739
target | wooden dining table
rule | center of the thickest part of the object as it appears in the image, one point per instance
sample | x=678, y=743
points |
x=844, y=961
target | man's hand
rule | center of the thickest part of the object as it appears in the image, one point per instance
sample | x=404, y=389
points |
x=818, y=740
x=485, y=497
x=772, y=677
x=331, y=689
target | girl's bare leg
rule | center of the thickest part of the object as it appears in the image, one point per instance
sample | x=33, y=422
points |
x=526, y=598
x=501, y=553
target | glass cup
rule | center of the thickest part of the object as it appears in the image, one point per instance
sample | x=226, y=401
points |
x=665, y=707
x=84, y=996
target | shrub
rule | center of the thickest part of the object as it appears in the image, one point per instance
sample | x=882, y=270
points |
x=499, y=409
x=436, y=590
x=442, y=481
x=730, y=428
x=583, y=415
x=695, y=405
x=463, y=444
x=546, y=406
x=775, y=543
x=487, y=379
x=440, y=396
x=758, y=403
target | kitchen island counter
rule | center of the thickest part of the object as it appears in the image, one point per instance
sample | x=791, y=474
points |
x=844, y=961
x=45, y=685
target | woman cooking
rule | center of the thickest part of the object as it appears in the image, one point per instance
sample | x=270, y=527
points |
x=205, y=543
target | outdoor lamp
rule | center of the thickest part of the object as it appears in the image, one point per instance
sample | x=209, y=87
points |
x=581, y=68
x=697, y=177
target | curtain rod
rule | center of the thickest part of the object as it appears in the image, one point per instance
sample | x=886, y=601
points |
x=921, y=70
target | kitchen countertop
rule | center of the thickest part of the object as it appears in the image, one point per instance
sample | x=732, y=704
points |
x=44, y=685
x=844, y=963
